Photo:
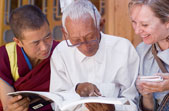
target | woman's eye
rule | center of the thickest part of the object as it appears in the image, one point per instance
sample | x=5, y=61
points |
x=133, y=22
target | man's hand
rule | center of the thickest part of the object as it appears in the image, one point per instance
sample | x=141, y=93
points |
x=100, y=107
x=87, y=89
x=18, y=103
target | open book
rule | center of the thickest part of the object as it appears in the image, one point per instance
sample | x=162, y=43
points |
x=64, y=100
x=151, y=78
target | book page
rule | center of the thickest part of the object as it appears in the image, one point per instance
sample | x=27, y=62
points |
x=70, y=103
x=151, y=78
x=65, y=100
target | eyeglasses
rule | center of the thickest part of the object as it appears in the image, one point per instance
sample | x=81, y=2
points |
x=87, y=39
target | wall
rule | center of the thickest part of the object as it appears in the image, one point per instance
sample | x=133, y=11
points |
x=49, y=7
x=118, y=21
x=115, y=13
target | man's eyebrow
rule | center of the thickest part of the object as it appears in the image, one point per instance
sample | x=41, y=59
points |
x=83, y=36
x=43, y=37
x=47, y=35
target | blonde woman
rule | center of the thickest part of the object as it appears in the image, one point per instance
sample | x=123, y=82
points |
x=150, y=20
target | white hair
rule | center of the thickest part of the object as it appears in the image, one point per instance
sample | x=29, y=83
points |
x=78, y=9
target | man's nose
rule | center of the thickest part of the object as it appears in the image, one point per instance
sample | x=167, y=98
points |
x=85, y=45
x=83, y=40
x=43, y=46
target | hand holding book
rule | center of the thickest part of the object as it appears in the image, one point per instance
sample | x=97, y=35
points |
x=65, y=100
x=17, y=103
x=87, y=89
x=151, y=78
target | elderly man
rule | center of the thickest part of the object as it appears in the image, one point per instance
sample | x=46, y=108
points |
x=25, y=63
x=90, y=63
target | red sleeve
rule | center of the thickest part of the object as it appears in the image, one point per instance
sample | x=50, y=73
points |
x=5, y=71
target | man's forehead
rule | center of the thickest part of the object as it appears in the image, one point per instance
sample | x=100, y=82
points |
x=82, y=35
x=83, y=17
x=35, y=35
x=85, y=22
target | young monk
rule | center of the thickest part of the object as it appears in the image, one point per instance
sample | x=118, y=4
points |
x=25, y=63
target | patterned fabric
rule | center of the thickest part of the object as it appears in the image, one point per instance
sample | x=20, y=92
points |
x=164, y=106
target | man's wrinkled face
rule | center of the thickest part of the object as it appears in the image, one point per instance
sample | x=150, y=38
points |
x=83, y=31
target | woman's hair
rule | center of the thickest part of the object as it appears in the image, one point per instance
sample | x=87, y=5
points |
x=159, y=7
x=80, y=8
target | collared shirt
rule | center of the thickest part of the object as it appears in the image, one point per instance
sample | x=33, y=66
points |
x=113, y=69
x=149, y=66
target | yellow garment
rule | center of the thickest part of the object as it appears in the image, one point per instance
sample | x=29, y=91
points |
x=12, y=54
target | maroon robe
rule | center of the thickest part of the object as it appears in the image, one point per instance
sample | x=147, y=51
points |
x=37, y=79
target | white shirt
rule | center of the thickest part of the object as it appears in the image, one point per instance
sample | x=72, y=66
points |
x=113, y=69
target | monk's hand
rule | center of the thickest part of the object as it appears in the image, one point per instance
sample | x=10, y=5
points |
x=18, y=103
x=100, y=107
x=87, y=89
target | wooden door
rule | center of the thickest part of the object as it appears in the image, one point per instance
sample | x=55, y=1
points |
x=118, y=21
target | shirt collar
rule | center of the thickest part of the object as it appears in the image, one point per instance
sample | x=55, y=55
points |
x=27, y=59
x=163, y=55
x=98, y=57
x=80, y=56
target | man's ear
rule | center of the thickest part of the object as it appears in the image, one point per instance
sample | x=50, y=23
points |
x=63, y=33
x=102, y=22
x=63, y=30
x=18, y=42
x=167, y=24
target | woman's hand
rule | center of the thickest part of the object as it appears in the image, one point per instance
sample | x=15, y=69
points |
x=147, y=97
x=145, y=87
x=140, y=87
